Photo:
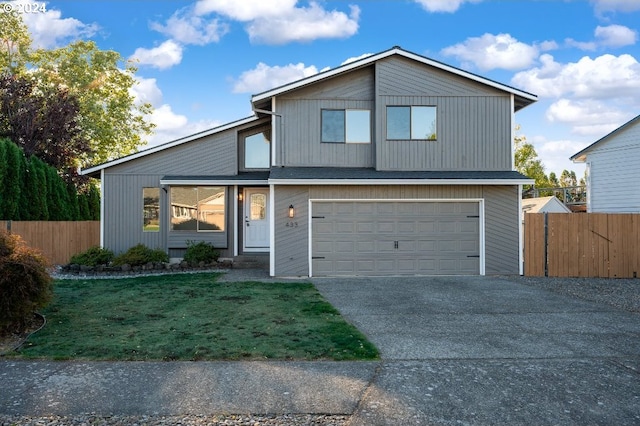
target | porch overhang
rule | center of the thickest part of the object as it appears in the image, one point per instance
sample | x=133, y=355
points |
x=365, y=176
x=243, y=179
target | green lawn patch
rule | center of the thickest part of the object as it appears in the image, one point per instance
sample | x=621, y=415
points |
x=193, y=317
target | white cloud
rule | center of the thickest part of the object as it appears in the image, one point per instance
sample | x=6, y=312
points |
x=356, y=58
x=164, y=56
x=448, y=6
x=188, y=28
x=304, y=25
x=49, y=30
x=605, y=77
x=280, y=21
x=616, y=5
x=146, y=90
x=615, y=36
x=264, y=77
x=609, y=36
x=587, y=117
x=494, y=51
x=555, y=154
x=176, y=126
x=245, y=10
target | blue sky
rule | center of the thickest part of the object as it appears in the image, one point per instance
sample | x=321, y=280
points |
x=200, y=61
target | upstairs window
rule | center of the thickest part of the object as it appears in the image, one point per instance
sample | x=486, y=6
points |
x=346, y=126
x=411, y=122
x=257, y=150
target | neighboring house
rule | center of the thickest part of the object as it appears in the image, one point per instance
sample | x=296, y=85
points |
x=613, y=181
x=549, y=204
x=392, y=164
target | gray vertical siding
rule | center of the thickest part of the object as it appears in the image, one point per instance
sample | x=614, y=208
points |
x=213, y=155
x=473, y=120
x=501, y=219
x=123, y=214
x=300, y=132
x=502, y=222
x=291, y=234
x=123, y=217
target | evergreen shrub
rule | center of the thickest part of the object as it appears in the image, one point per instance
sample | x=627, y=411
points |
x=140, y=255
x=93, y=256
x=25, y=283
x=200, y=252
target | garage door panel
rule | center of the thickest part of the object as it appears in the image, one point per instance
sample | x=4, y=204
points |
x=391, y=238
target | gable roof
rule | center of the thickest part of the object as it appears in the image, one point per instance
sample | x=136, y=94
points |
x=522, y=98
x=581, y=156
x=94, y=171
x=543, y=204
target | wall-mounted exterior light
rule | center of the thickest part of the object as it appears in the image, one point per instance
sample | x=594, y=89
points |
x=292, y=211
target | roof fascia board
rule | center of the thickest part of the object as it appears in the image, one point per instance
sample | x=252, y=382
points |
x=239, y=182
x=168, y=145
x=401, y=181
x=373, y=58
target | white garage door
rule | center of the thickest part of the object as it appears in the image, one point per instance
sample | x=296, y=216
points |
x=395, y=238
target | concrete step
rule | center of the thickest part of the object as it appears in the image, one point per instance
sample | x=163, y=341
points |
x=251, y=261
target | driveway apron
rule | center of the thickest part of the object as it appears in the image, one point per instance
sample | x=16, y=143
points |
x=489, y=350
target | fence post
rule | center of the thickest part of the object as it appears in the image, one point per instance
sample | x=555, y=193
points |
x=546, y=242
x=9, y=226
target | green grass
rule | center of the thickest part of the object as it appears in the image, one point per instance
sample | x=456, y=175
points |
x=192, y=317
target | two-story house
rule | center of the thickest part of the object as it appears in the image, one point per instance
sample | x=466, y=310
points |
x=394, y=164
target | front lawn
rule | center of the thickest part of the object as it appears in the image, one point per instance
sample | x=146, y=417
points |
x=192, y=317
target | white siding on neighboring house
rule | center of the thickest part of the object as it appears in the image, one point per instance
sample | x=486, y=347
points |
x=614, y=175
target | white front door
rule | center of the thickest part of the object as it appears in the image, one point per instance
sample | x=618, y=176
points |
x=256, y=219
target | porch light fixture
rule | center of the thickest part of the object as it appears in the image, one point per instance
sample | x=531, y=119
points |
x=292, y=211
x=239, y=196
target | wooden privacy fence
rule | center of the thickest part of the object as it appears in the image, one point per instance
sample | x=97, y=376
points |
x=57, y=241
x=582, y=245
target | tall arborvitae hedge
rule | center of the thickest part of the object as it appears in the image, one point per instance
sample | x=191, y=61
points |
x=32, y=190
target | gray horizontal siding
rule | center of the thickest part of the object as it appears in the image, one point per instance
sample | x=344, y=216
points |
x=614, y=181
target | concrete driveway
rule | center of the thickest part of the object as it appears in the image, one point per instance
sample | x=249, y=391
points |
x=487, y=350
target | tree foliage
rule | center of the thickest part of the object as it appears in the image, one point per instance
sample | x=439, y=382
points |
x=32, y=190
x=527, y=161
x=109, y=121
x=43, y=122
